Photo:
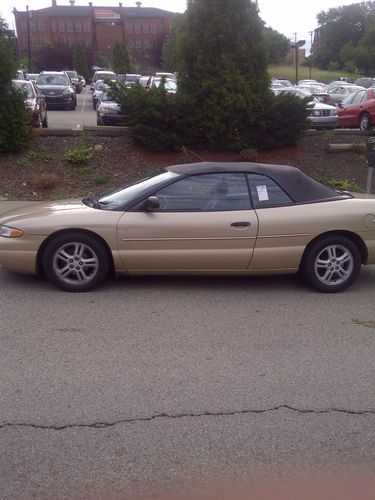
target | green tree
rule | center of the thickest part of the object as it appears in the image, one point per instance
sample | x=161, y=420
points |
x=14, y=134
x=222, y=63
x=120, y=57
x=277, y=44
x=80, y=62
x=340, y=26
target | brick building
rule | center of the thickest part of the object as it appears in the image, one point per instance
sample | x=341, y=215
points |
x=55, y=30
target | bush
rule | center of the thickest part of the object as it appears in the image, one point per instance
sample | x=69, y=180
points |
x=14, y=133
x=82, y=154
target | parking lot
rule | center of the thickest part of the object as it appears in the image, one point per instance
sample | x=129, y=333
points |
x=150, y=382
x=83, y=115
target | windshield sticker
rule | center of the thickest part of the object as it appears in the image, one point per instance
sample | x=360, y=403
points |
x=262, y=193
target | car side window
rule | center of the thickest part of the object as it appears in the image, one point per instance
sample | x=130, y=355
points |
x=206, y=192
x=266, y=193
x=359, y=96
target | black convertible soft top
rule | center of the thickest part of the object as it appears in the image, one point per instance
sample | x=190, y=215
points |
x=300, y=187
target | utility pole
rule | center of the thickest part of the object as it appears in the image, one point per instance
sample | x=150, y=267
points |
x=311, y=41
x=28, y=40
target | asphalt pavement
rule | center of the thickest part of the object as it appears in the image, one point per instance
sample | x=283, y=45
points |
x=153, y=382
x=83, y=115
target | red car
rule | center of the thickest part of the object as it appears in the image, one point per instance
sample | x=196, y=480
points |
x=35, y=103
x=357, y=110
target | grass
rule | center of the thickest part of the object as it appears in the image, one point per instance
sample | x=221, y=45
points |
x=101, y=179
x=289, y=72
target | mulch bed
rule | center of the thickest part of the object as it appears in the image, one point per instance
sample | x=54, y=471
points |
x=41, y=173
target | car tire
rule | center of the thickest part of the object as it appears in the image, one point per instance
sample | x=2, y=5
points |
x=331, y=264
x=45, y=122
x=364, y=121
x=75, y=262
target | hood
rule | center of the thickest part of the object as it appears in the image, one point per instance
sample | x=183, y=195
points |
x=11, y=211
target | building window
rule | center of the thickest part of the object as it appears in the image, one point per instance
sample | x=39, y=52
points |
x=145, y=28
x=129, y=28
x=153, y=28
x=34, y=42
x=130, y=44
x=42, y=42
x=61, y=26
x=23, y=26
x=137, y=28
x=87, y=43
x=25, y=43
x=32, y=26
x=138, y=43
x=86, y=26
x=147, y=43
x=161, y=28
x=69, y=26
x=78, y=26
x=53, y=26
x=71, y=42
x=41, y=26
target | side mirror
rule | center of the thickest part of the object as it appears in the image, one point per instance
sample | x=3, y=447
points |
x=339, y=104
x=151, y=203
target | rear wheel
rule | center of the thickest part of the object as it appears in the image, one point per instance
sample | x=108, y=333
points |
x=45, y=122
x=75, y=262
x=364, y=121
x=331, y=264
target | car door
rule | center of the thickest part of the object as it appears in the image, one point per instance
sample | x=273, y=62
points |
x=282, y=234
x=204, y=223
x=352, y=109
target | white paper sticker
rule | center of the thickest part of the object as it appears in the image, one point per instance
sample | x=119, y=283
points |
x=262, y=193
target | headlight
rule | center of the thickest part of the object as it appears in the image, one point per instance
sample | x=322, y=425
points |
x=107, y=111
x=68, y=91
x=10, y=232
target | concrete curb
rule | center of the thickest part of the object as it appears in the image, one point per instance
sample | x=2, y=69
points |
x=102, y=131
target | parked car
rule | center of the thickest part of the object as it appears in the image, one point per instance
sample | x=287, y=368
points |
x=338, y=92
x=99, y=87
x=74, y=78
x=20, y=75
x=35, y=103
x=170, y=76
x=108, y=111
x=322, y=116
x=143, y=81
x=31, y=77
x=57, y=89
x=202, y=218
x=170, y=86
x=131, y=79
x=103, y=75
x=357, y=110
x=365, y=82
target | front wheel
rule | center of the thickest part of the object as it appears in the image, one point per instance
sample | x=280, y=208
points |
x=331, y=264
x=365, y=122
x=75, y=262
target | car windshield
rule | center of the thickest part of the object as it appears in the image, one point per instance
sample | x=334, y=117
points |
x=107, y=97
x=106, y=76
x=72, y=74
x=168, y=85
x=52, y=80
x=27, y=88
x=120, y=197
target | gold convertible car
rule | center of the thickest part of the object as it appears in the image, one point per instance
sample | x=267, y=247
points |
x=202, y=218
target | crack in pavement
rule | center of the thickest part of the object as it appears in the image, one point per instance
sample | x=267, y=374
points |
x=101, y=425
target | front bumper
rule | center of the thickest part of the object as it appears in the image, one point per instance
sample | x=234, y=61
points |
x=323, y=121
x=59, y=101
x=20, y=254
x=113, y=119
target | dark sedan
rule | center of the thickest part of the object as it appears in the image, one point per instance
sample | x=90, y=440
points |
x=108, y=111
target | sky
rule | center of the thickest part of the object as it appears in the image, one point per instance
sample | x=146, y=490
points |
x=286, y=16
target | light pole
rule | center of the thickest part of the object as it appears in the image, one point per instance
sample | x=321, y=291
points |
x=296, y=46
x=311, y=41
x=28, y=39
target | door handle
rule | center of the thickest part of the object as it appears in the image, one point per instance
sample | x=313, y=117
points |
x=241, y=225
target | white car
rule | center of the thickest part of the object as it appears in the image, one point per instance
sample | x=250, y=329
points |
x=322, y=116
